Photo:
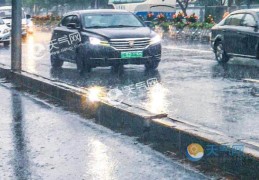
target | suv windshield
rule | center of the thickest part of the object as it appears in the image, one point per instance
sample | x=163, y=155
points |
x=110, y=20
x=7, y=14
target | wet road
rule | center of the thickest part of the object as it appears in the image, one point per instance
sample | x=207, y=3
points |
x=194, y=88
x=55, y=144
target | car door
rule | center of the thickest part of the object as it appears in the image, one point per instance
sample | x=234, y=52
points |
x=63, y=38
x=74, y=37
x=250, y=35
x=232, y=37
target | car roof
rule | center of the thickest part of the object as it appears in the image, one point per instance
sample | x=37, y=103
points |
x=246, y=11
x=5, y=7
x=96, y=11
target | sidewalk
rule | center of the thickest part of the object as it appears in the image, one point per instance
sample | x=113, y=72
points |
x=41, y=141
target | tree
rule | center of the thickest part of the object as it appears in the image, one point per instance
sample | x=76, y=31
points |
x=2, y=2
x=184, y=5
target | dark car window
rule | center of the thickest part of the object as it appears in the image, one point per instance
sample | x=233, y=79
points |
x=249, y=20
x=66, y=20
x=75, y=20
x=234, y=20
x=111, y=20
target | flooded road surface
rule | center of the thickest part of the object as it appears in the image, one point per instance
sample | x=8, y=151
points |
x=193, y=87
x=41, y=141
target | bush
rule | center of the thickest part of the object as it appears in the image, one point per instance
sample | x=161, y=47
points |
x=165, y=26
x=192, y=18
x=178, y=18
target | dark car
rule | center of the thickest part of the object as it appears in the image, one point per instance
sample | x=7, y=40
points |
x=237, y=35
x=92, y=38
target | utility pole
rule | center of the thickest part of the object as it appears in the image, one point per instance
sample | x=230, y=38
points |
x=96, y=5
x=16, y=49
x=248, y=2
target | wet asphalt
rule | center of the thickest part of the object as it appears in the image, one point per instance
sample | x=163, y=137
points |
x=39, y=140
x=193, y=87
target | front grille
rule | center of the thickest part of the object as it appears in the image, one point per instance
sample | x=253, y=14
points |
x=130, y=44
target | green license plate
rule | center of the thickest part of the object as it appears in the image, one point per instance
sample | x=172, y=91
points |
x=131, y=54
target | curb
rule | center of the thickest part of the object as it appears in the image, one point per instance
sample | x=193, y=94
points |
x=162, y=133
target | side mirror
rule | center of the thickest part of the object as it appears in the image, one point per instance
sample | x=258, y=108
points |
x=28, y=16
x=72, y=26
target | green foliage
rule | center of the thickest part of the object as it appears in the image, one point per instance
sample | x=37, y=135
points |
x=165, y=26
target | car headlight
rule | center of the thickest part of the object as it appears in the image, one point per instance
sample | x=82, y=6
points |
x=6, y=31
x=97, y=41
x=155, y=40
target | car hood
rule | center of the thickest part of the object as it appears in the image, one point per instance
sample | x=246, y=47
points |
x=3, y=27
x=119, y=33
x=9, y=21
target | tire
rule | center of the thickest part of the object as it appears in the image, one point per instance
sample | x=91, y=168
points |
x=151, y=65
x=6, y=43
x=220, y=54
x=82, y=65
x=56, y=62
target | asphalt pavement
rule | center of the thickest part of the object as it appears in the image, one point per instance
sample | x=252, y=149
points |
x=39, y=140
x=193, y=87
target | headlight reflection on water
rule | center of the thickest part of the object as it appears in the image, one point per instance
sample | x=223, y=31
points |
x=157, y=102
x=156, y=97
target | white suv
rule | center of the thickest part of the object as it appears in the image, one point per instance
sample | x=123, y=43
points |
x=6, y=15
x=4, y=33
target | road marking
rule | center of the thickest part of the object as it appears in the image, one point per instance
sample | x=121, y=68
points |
x=185, y=49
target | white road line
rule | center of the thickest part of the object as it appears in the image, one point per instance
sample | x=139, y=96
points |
x=184, y=49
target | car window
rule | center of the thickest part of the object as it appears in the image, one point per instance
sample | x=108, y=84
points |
x=249, y=20
x=111, y=20
x=1, y=22
x=234, y=20
x=75, y=20
x=66, y=20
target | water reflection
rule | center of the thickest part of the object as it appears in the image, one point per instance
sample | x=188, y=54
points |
x=236, y=70
x=103, y=77
x=102, y=166
x=157, y=102
x=20, y=158
x=30, y=52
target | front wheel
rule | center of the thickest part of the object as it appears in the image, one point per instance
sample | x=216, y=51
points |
x=82, y=65
x=151, y=65
x=6, y=43
x=56, y=62
x=117, y=68
x=220, y=53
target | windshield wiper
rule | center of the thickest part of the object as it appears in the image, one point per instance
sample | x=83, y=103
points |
x=8, y=17
x=96, y=27
x=119, y=26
